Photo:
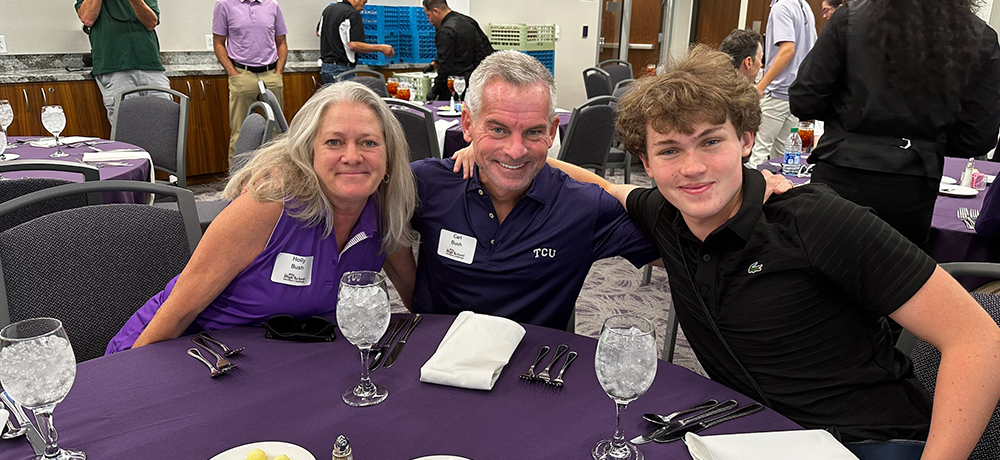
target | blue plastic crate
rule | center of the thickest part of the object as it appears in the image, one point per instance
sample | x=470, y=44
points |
x=392, y=40
x=417, y=21
x=547, y=58
x=390, y=19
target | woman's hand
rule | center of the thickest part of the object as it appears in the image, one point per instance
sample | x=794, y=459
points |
x=465, y=160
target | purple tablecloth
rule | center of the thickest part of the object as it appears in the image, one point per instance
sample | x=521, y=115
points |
x=156, y=401
x=138, y=171
x=454, y=140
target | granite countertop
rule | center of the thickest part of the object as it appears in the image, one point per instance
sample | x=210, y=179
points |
x=69, y=67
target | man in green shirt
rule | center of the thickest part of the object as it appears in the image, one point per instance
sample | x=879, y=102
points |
x=125, y=47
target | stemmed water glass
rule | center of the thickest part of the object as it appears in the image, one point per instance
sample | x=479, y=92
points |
x=459, y=87
x=6, y=115
x=54, y=121
x=363, y=316
x=3, y=145
x=37, y=369
x=626, y=364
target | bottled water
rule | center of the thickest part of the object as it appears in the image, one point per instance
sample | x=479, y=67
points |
x=626, y=363
x=793, y=153
x=38, y=372
x=362, y=313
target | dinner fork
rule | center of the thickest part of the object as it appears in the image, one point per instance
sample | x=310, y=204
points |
x=973, y=215
x=194, y=353
x=544, y=376
x=530, y=375
x=558, y=381
x=222, y=363
x=963, y=215
x=226, y=351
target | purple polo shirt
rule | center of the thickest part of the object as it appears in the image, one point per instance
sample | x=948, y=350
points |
x=530, y=268
x=250, y=27
x=298, y=273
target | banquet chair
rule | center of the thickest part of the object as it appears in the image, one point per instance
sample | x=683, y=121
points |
x=92, y=267
x=418, y=127
x=619, y=158
x=589, y=135
x=156, y=124
x=269, y=98
x=10, y=189
x=597, y=82
x=374, y=80
x=926, y=358
x=617, y=69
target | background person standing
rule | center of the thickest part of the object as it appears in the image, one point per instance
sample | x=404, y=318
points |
x=341, y=37
x=461, y=45
x=249, y=40
x=125, y=47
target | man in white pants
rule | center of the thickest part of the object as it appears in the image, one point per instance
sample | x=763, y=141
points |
x=791, y=33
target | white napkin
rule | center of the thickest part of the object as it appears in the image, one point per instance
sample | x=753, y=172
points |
x=49, y=142
x=774, y=445
x=556, y=146
x=3, y=419
x=441, y=126
x=473, y=352
x=563, y=111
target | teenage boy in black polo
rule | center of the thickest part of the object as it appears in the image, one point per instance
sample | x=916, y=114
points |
x=786, y=300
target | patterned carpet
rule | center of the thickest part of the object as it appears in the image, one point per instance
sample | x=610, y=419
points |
x=613, y=286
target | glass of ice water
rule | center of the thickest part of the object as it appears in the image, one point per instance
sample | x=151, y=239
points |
x=37, y=369
x=54, y=121
x=363, y=316
x=6, y=114
x=625, y=364
x=460, y=87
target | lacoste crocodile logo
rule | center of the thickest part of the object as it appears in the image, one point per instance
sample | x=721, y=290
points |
x=755, y=267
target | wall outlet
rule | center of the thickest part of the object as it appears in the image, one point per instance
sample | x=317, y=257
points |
x=208, y=42
x=3, y=44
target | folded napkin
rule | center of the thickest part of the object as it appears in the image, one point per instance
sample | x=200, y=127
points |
x=441, y=126
x=49, y=142
x=774, y=445
x=473, y=352
x=115, y=155
x=563, y=111
x=556, y=147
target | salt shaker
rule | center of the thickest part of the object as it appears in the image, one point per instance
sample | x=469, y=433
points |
x=342, y=449
x=966, y=180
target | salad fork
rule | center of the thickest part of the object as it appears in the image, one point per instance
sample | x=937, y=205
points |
x=544, y=376
x=222, y=363
x=963, y=215
x=226, y=351
x=194, y=353
x=530, y=375
x=558, y=381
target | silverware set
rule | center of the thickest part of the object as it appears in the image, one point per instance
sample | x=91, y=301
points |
x=968, y=216
x=387, y=358
x=222, y=365
x=24, y=426
x=707, y=414
x=544, y=375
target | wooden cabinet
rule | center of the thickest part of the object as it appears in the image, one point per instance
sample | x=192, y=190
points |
x=298, y=88
x=208, y=123
x=81, y=100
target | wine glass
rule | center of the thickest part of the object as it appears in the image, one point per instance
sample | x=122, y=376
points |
x=460, y=87
x=363, y=316
x=391, y=86
x=37, y=369
x=3, y=145
x=54, y=121
x=6, y=114
x=625, y=365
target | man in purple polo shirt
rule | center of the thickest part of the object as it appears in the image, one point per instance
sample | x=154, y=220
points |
x=517, y=239
x=249, y=39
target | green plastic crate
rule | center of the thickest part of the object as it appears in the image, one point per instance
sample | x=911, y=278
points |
x=523, y=37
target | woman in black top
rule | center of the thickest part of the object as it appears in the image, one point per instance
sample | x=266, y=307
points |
x=900, y=84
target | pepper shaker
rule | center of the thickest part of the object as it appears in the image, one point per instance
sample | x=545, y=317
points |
x=342, y=449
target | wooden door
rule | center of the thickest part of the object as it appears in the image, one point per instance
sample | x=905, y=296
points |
x=27, y=113
x=757, y=11
x=646, y=23
x=83, y=104
x=716, y=19
x=298, y=88
x=208, y=123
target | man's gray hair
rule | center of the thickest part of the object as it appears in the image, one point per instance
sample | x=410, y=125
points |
x=512, y=67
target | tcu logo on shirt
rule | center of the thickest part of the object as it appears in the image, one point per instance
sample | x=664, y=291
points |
x=545, y=252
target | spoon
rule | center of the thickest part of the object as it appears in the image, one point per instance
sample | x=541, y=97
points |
x=666, y=419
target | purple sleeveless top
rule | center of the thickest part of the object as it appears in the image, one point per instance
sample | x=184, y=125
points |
x=298, y=273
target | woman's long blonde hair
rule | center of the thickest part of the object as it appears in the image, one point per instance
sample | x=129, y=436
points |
x=282, y=170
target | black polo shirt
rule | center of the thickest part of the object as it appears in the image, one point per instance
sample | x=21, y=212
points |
x=340, y=24
x=799, y=288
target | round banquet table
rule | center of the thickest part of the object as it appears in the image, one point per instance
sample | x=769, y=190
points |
x=139, y=169
x=156, y=401
x=454, y=140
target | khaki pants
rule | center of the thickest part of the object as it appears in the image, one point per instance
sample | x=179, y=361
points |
x=243, y=91
x=775, y=123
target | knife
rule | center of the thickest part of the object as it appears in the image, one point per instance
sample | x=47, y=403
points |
x=402, y=341
x=35, y=439
x=674, y=426
x=380, y=353
x=680, y=432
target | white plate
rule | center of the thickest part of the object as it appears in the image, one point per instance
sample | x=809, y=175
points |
x=271, y=449
x=449, y=113
x=10, y=156
x=957, y=191
x=441, y=457
x=948, y=180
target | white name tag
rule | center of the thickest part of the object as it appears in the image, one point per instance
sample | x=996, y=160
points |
x=456, y=246
x=292, y=270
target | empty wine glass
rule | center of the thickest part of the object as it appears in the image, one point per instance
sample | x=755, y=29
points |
x=363, y=316
x=37, y=369
x=459, y=87
x=6, y=114
x=626, y=364
x=54, y=121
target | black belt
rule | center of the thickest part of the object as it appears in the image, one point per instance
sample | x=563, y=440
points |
x=256, y=69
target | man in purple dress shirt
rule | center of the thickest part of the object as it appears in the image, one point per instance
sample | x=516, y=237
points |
x=249, y=40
